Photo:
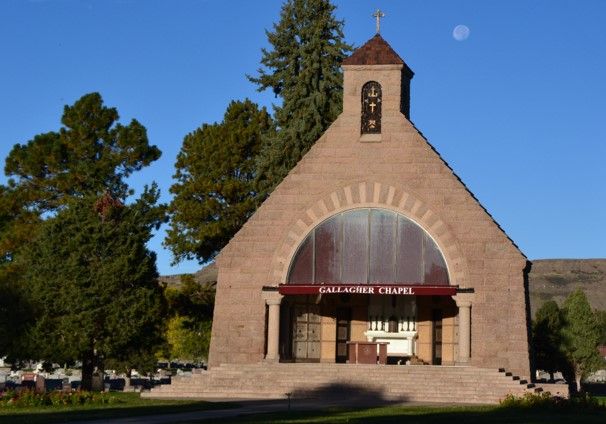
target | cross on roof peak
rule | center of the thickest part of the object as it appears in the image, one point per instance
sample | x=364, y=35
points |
x=378, y=15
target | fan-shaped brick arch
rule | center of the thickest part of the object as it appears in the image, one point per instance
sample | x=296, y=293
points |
x=371, y=195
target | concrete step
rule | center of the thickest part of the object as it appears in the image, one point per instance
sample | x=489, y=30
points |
x=452, y=384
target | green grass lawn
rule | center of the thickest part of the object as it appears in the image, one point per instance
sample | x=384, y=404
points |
x=430, y=415
x=424, y=415
x=130, y=404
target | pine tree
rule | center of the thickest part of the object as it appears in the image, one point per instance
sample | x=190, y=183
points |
x=601, y=318
x=92, y=283
x=15, y=316
x=581, y=336
x=547, y=338
x=215, y=171
x=303, y=69
x=91, y=154
x=61, y=256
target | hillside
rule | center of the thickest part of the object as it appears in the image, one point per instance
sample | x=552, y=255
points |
x=548, y=279
x=556, y=278
x=208, y=274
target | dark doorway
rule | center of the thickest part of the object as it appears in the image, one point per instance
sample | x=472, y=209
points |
x=343, y=333
x=436, y=351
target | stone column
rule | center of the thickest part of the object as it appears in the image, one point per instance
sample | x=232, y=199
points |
x=463, y=301
x=273, y=300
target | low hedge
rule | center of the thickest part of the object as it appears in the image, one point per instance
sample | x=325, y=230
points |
x=28, y=398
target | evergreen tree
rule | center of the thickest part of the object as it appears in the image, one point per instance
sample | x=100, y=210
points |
x=84, y=274
x=93, y=283
x=15, y=316
x=581, y=336
x=303, y=69
x=215, y=171
x=601, y=318
x=191, y=299
x=547, y=338
x=91, y=154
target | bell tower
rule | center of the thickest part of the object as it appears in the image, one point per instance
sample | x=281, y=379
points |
x=376, y=87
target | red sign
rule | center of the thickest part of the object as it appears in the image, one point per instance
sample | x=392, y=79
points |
x=377, y=289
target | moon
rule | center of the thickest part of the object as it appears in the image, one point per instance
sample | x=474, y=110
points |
x=461, y=33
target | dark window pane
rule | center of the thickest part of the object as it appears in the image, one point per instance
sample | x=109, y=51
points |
x=328, y=258
x=371, y=108
x=355, y=247
x=382, y=246
x=302, y=267
x=369, y=245
x=409, y=267
x=435, y=268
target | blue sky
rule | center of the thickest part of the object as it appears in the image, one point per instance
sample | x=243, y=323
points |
x=517, y=109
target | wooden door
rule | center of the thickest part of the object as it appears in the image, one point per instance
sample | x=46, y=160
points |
x=306, y=333
x=343, y=333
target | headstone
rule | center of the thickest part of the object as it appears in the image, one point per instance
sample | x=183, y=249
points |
x=97, y=384
x=28, y=381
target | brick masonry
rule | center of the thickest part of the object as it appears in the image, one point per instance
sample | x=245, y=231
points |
x=397, y=170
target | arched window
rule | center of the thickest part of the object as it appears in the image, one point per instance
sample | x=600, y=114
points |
x=372, y=98
x=366, y=246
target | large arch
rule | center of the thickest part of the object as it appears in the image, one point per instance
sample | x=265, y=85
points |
x=368, y=246
x=370, y=194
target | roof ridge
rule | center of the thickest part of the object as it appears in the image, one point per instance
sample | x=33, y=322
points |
x=375, y=51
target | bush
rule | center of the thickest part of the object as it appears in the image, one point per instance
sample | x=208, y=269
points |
x=545, y=400
x=28, y=398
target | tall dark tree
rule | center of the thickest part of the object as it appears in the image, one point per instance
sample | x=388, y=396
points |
x=302, y=67
x=215, y=171
x=51, y=177
x=581, y=336
x=15, y=316
x=90, y=154
x=547, y=338
x=93, y=283
x=601, y=318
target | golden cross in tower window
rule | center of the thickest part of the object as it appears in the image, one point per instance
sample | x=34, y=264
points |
x=373, y=105
x=378, y=15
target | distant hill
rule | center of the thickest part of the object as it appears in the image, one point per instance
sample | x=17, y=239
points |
x=556, y=278
x=548, y=279
x=206, y=275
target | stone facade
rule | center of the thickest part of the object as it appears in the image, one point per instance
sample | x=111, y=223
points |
x=396, y=170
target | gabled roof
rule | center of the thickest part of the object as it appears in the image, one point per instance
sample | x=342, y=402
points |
x=375, y=51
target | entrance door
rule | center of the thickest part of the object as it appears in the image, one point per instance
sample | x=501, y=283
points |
x=306, y=333
x=343, y=333
x=436, y=356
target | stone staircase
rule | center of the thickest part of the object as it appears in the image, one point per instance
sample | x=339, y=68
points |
x=447, y=384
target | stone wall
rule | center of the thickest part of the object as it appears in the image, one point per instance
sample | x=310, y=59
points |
x=396, y=170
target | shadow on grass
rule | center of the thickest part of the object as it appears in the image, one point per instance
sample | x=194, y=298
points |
x=426, y=415
x=347, y=403
x=50, y=415
x=346, y=395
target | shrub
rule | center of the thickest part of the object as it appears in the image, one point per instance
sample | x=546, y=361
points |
x=28, y=398
x=545, y=400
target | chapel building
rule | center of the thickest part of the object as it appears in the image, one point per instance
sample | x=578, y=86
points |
x=372, y=250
